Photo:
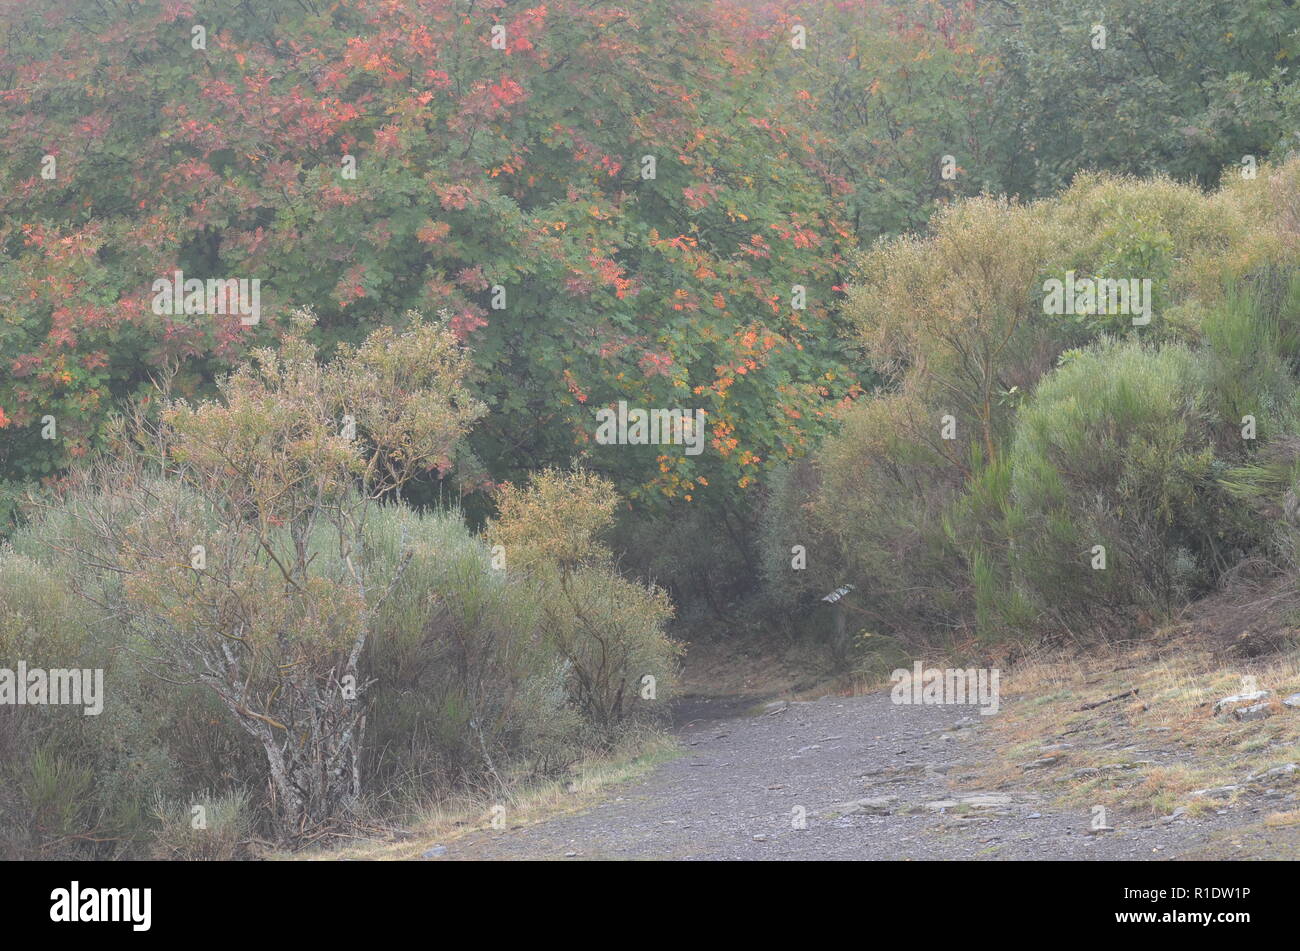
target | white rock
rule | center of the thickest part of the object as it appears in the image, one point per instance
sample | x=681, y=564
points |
x=1238, y=698
x=1216, y=792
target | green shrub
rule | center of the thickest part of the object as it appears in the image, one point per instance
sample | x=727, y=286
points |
x=1115, y=450
x=464, y=683
x=886, y=481
x=788, y=520
x=1252, y=342
x=980, y=526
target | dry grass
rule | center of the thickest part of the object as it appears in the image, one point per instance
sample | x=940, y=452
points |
x=446, y=821
x=1280, y=820
x=1146, y=754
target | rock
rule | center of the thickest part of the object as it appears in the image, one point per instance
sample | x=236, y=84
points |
x=569, y=855
x=1238, y=698
x=1080, y=773
x=1176, y=814
x=1285, y=771
x=1216, y=792
x=1129, y=764
x=776, y=706
x=971, y=801
x=434, y=852
x=760, y=838
x=1292, y=701
x=985, y=800
x=966, y=722
x=894, y=774
x=1034, y=815
x=1045, y=762
x=872, y=806
x=1256, y=711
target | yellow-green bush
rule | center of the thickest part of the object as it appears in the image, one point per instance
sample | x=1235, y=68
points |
x=610, y=633
x=269, y=615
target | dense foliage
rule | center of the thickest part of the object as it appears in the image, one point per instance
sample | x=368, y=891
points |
x=1028, y=473
x=831, y=225
x=364, y=158
x=268, y=624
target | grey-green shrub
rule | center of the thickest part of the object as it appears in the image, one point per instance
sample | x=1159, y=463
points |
x=72, y=785
x=1116, y=450
x=475, y=681
x=886, y=481
x=464, y=682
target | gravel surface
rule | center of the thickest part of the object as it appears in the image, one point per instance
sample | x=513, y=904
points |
x=874, y=780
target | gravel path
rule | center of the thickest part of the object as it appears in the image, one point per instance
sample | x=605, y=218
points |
x=735, y=792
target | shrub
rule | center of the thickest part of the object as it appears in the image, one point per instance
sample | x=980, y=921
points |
x=71, y=785
x=713, y=585
x=1252, y=342
x=612, y=636
x=788, y=519
x=465, y=690
x=231, y=540
x=1115, y=450
x=219, y=832
x=556, y=521
x=885, y=482
x=609, y=632
x=464, y=683
x=959, y=313
x=980, y=526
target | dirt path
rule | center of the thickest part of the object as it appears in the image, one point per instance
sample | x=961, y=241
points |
x=734, y=792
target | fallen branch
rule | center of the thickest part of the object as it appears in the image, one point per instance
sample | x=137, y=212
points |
x=1119, y=696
